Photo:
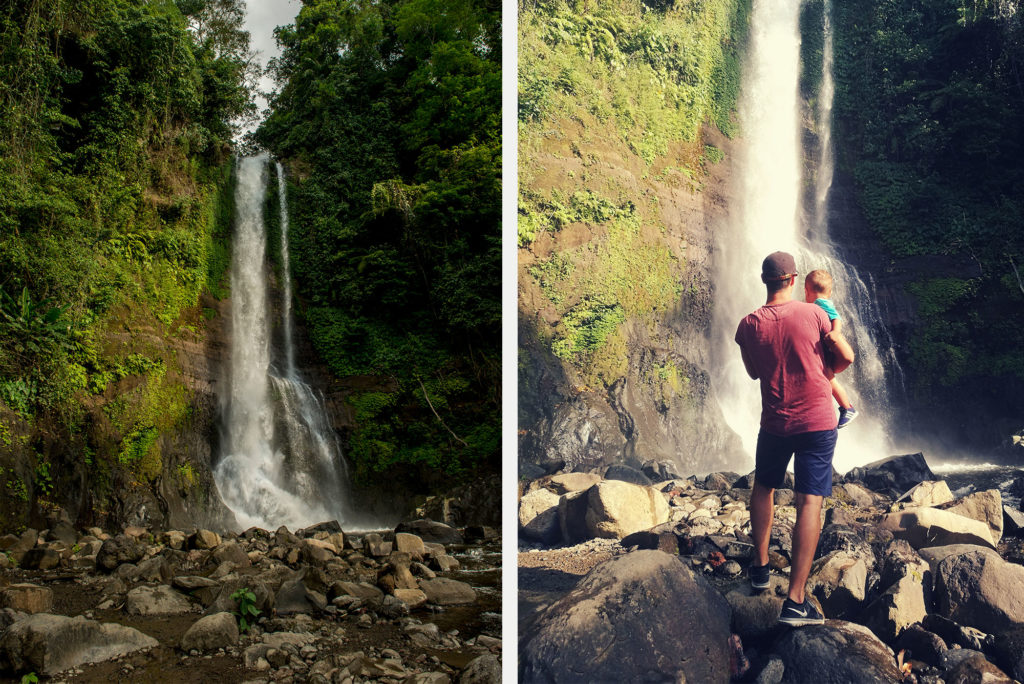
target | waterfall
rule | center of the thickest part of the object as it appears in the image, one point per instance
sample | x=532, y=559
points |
x=282, y=463
x=769, y=217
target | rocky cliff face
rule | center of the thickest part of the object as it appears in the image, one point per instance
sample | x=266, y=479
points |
x=653, y=397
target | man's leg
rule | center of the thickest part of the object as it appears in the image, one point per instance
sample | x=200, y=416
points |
x=762, y=511
x=805, y=541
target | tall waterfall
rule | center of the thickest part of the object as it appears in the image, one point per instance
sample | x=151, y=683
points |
x=282, y=464
x=770, y=217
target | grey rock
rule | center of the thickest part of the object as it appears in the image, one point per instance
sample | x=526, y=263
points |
x=47, y=644
x=40, y=558
x=572, y=517
x=485, y=669
x=160, y=600
x=209, y=633
x=923, y=645
x=981, y=590
x=616, y=509
x=625, y=473
x=839, y=582
x=118, y=550
x=976, y=669
x=1013, y=522
x=430, y=531
x=1008, y=652
x=538, y=516
x=893, y=475
x=901, y=605
x=604, y=626
x=954, y=634
x=27, y=598
x=443, y=591
x=924, y=527
x=835, y=653
x=660, y=471
x=231, y=552
x=933, y=555
x=572, y=482
x=986, y=507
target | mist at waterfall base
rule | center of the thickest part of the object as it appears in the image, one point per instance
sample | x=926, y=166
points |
x=771, y=213
x=282, y=464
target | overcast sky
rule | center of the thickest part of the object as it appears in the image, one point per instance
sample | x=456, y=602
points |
x=261, y=18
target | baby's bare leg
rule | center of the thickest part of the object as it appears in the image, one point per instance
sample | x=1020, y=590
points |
x=840, y=394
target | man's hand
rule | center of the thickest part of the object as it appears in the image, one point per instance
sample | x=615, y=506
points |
x=842, y=352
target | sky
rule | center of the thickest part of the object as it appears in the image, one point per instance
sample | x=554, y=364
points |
x=261, y=18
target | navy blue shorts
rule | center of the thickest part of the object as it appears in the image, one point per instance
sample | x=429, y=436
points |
x=813, y=465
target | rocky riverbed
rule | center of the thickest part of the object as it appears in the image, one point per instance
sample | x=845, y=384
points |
x=639, y=574
x=420, y=603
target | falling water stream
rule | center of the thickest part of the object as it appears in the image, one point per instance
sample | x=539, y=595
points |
x=283, y=463
x=769, y=217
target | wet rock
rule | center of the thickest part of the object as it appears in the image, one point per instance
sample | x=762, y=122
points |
x=160, y=600
x=430, y=531
x=118, y=550
x=981, y=590
x=393, y=607
x=930, y=493
x=624, y=473
x=894, y=475
x=606, y=624
x=209, y=633
x=839, y=582
x=986, y=507
x=833, y=653
x=447, y=592
x=538, y=516
x=485, y=669
x=47, y=644
x=924, y=527
x=616, y=509
x=572, y=482
x=27, y=598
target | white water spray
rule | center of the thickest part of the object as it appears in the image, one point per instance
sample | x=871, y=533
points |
x=283, y=464
x=769, y=219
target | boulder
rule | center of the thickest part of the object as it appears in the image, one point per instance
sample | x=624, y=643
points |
x=925, y=646
x=155, y=569
x=933, y=555
x=900, y=606
x=485, y=669
x=1008, y=652
x=232, y=552
x=318, y=551
x=894, y=475
x=660, y=471
x=976, y=669
x=624, y=473
x=40, y=558
x=572, y=517
x=27, y=598
x=430, y=531
x=1013, y=522
x=858, y=495
x=981, y=590
x=835, y=653
x=836, y=537
x=839, y=582
x=719, y=482
x=924, y=527
x=414, y=598
x=665, y=537
x=954, y=634
x=642, y=616
x=616, y=509
x=410, y=544
x=295, y=597
x=538, y=516
x=47, y=644
x=898, y=560
x=118, y=550
x=572, y=482
x=204, y=539
x=161, y=600
x=755, y=614
x=930, y=493
x=986, y=507
x=209, y=633
x=447, y=592
x=361, y=590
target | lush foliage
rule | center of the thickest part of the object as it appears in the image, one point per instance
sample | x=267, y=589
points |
x=115, y=125
x=930, y=121
x=388, y=114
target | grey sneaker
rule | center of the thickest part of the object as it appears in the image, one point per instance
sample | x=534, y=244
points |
x=800, y=614
x=759, y=576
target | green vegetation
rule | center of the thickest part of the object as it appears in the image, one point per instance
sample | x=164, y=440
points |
x=930, y=122
x=247, y=612
x=388, y=115
x=115, y=203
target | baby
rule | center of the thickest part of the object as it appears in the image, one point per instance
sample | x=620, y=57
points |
x=817, y=290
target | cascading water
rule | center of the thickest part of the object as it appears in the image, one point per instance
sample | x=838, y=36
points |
x=283, y=463
x=769, y=218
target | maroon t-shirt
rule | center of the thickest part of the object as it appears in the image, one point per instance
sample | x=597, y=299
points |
x=786, y=345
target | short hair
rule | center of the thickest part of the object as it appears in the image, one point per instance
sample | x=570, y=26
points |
x=820, y=281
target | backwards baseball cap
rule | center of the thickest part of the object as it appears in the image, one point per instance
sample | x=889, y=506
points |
x=778, y=266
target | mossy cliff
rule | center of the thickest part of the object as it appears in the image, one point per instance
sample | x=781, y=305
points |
x=625, y=113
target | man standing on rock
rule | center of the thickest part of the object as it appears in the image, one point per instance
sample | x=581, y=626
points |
x=784, y=345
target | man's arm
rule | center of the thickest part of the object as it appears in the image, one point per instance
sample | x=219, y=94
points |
x=748, y=364
x=842, y=352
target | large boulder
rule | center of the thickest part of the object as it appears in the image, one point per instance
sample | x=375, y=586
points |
x=538, y=516
x=924, y=527
x=160, y=600
x=644, y=616
x=430, y=531
x=835, y=653
x=981, y=590
x=986, y=507
x=933, y=555
x=27, y=598
x=894, y=475
x=755, y=614
x=117, y=551
x=1008, y=652
x=209, y=633
x=839, y=582
x=442, y=591
x=625, y=473
x=660, y=471
x=900, y=606
x=485, y=669
x=47, y=644
x=616, y=509
x=572, y=482
x=931, y=493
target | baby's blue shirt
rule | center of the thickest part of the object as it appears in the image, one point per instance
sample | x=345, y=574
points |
x=828, y=307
